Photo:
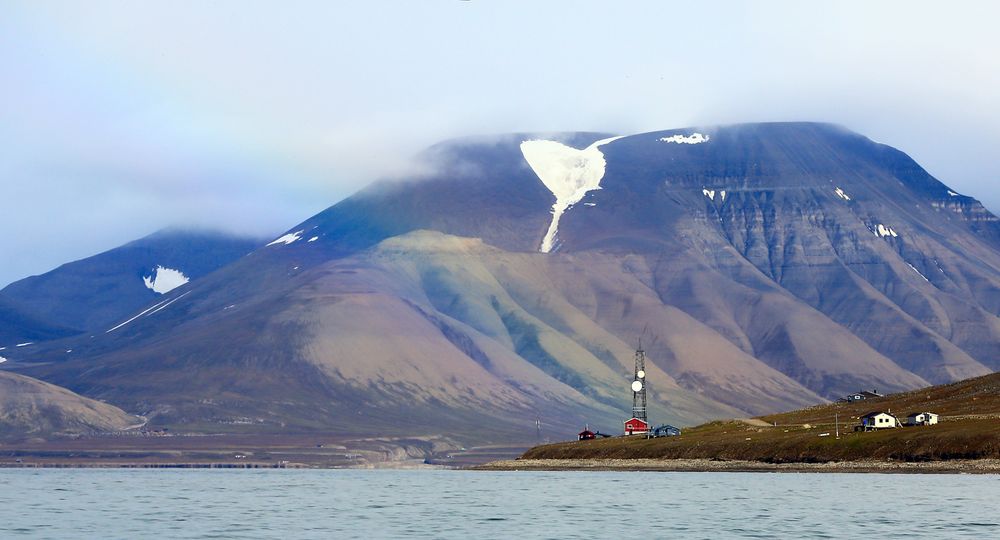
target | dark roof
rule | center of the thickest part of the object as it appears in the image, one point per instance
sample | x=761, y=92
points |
x=865, y=393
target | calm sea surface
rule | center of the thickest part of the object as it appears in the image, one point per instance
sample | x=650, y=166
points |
x=95, y=503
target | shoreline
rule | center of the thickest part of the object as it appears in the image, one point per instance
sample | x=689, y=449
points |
x=976, y=466
x=137, y=465
x=391, y=465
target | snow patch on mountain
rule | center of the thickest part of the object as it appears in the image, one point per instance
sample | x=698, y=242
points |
x=150, y=310
x=569, y=174
x=694, y=138
x=840, y=193
x=25, y=344
x=710, y=193
x=953, y=194
x=147, y=310
x=313, y=239
x=164, y=279
x=918, y=272
x=883, y=231
x=2, y=359
x=168, y=303
x=287, y=239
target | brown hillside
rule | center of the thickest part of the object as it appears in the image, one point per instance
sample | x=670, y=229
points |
x=32, y=408
x=969, y=428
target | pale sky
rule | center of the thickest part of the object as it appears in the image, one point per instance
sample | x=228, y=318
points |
x=120, y=118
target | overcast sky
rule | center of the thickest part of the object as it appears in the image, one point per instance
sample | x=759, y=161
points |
x=120, y=118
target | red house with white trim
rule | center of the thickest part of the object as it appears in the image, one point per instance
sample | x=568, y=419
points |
x=635, y=426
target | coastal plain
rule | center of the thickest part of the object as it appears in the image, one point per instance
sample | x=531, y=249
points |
x=819, y=438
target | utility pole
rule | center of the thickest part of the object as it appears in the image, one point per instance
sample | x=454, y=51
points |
x=836, y=419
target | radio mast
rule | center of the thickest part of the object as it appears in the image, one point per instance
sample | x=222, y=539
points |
x=639, y=385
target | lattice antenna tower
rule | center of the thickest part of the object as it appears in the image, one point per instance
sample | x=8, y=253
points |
x=639, y=385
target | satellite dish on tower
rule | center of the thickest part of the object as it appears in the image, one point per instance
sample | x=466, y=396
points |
x=639, y=387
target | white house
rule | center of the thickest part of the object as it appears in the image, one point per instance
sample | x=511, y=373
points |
x=878, y=420
x=922, y=419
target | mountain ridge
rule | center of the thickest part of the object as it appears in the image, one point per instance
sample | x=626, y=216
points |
x=90, y=293
x=766, y=266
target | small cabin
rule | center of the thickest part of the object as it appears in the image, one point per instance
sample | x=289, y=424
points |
x=861, y=395
x=635, y=426
x=878, y=420
x=665, y=430
x=587, y=435
x=922, y=419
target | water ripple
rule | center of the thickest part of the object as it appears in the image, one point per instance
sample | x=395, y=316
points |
x=92, y=503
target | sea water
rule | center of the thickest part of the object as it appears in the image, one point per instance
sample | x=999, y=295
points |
x=126, y=503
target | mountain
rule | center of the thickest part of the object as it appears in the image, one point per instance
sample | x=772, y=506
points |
x=18, y=327
x=32, y=408
x=764, y=266
x=91, y=293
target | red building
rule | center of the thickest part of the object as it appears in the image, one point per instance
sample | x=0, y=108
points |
x=634, y=426
x=587, y=435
